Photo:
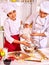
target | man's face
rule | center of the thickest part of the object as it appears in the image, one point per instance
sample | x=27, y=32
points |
x=42, y=14
x=12, y=15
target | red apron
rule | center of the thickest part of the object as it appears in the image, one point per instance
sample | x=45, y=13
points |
x=13, y=46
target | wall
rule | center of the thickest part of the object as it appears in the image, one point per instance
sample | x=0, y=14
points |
x=23, y=10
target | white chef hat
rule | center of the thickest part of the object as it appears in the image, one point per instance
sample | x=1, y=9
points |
x=45, y=7
x=8, y=8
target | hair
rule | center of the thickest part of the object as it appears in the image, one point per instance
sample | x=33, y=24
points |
x=13, y=11
x=7, y=15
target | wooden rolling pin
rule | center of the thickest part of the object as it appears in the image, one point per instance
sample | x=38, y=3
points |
x=34, y=60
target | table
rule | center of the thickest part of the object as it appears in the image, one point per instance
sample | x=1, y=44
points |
x=21, y=62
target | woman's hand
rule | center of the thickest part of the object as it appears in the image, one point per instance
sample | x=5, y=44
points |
x=35, y=34
x=38, y=34
x=22, y=42
x=26, y=43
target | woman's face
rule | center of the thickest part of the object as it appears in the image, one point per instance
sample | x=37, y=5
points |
x=12, y=15
x=42, y=14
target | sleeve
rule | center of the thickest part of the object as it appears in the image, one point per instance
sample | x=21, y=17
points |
x=47, y=32
x=21, y=31
x=47, y=28
x=7, y=32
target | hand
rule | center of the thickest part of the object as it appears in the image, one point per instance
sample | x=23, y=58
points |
x=34, y=34
x=26, y=44
x=38, y=34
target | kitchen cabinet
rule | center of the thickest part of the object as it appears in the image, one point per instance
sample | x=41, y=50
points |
x=21, y=0
x=3, y=0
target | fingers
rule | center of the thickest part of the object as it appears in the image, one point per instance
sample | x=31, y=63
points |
x=27, y=44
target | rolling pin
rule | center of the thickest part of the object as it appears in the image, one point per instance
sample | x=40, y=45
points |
x=34, y=60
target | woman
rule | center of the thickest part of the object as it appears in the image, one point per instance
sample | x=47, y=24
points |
x=11, y=30
x=41, y=27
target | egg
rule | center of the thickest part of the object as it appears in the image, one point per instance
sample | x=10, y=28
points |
x=2, y=53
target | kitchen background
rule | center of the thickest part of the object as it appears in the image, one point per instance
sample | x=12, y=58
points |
x=24, y=9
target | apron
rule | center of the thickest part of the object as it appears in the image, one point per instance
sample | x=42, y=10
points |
x=13, y=46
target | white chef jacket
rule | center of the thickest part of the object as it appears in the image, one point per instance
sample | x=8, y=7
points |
x=26, y=32
x=11, y=28
x=41, y=26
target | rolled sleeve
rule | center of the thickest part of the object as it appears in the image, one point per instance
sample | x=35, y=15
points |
x=47, y=34
x=21, y=31
x=9, y=38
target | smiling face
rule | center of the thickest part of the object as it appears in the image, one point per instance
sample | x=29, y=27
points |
x=42, y=14
x=12, y=15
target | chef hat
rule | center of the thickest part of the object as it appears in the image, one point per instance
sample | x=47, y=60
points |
x=45, y=7
x=8, y=8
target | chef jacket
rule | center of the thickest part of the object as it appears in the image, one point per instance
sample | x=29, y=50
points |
x=41, y=26
x=26, y=32
x=11, y=28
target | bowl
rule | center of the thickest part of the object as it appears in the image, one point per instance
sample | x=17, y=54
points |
x=7, y=61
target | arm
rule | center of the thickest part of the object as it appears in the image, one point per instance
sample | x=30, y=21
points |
x=9, y=38
x=22, y=42
x=24, y=36
x=38, y=34
x=7, y=32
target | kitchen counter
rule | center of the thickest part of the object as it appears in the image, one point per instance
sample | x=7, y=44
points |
x=28, y=62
